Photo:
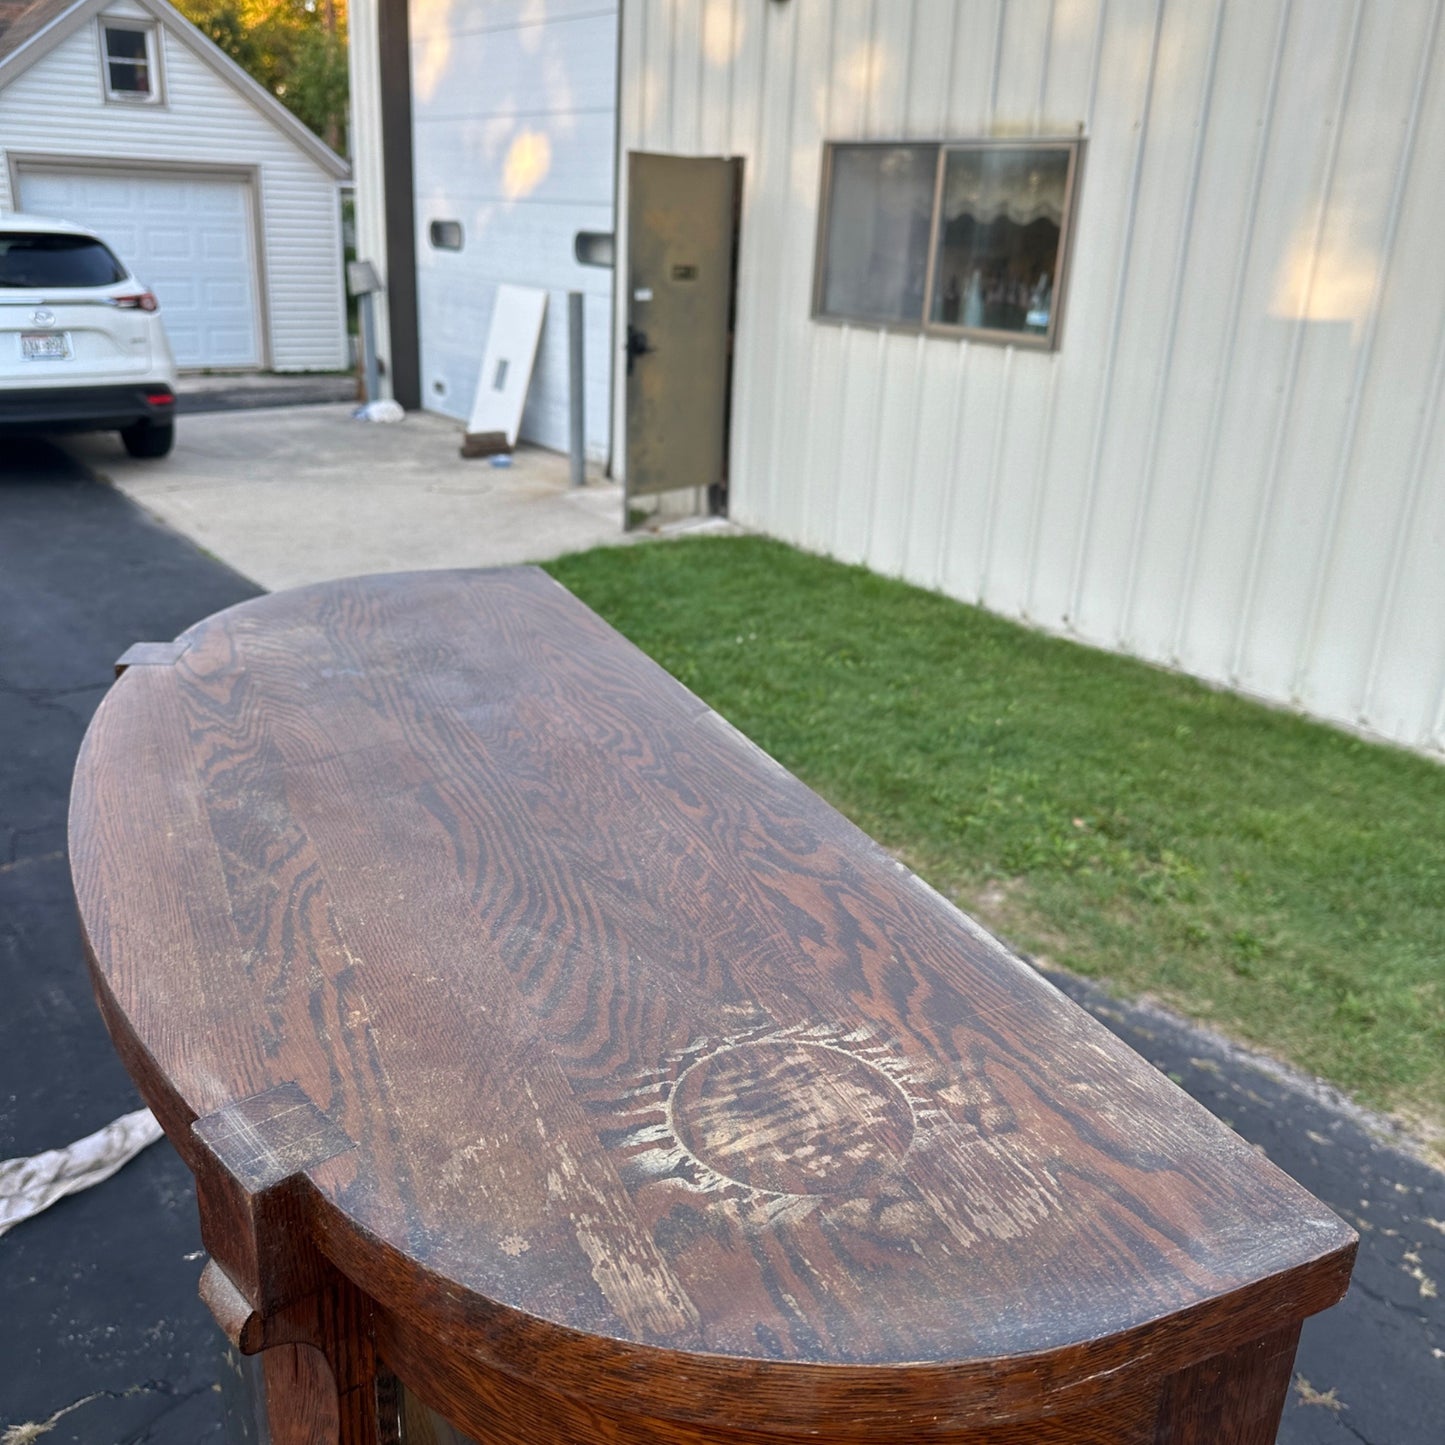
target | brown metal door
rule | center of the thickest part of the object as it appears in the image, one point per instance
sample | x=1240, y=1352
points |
x=681, y=219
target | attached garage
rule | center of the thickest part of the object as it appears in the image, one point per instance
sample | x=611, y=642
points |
x=121, y=116
x=189, y=237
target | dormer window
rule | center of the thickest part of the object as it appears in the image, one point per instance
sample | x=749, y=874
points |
x=130, y=61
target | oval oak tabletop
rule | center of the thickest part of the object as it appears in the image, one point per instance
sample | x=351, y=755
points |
x=607, y=1050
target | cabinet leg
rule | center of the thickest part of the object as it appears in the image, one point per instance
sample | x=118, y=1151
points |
x=317, y=1360
x=1235, y=1398
x=301, y=1401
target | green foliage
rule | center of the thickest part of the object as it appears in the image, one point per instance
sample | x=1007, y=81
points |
x=295, y=48
x=1280, y=879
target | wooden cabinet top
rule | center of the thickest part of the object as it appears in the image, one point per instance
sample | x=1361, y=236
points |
x=604, y=1046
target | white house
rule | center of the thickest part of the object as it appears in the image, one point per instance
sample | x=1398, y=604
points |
x=1120, y=317
x=122, y=116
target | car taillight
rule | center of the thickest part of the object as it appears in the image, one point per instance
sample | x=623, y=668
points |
x=161, y=397
x=140, y=301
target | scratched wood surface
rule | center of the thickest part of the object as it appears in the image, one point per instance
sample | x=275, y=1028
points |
x=602, y=1048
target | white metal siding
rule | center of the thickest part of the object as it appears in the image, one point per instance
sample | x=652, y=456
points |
x=55, y=108
x=1232, y=466
x=514, y=136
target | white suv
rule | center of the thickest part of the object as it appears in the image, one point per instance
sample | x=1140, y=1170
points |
x=81, y=342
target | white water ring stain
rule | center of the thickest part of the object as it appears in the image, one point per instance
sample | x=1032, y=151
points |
x=792, y=1117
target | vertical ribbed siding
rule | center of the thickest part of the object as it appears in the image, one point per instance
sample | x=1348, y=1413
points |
x=55, y=109
x=1232, y=464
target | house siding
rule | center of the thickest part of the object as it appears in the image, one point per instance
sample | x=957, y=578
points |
x=513, y=113
x=55, y=111
x=1233, y=465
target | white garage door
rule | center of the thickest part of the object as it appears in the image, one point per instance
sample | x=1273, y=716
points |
x=189, y=239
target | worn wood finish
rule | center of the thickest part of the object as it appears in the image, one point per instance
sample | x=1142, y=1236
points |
x=523, y=1021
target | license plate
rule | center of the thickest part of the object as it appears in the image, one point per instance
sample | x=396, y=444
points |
x=45, y=345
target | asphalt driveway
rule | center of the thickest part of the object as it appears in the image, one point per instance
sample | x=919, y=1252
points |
x=102, y=1338
x=100, y=1327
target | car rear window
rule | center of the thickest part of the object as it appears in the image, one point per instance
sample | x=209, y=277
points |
x=29, y=259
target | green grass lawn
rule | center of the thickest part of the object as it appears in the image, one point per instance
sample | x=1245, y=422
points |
x=1280, y=880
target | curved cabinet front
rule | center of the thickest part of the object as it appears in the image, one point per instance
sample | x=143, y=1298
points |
x=535, y=1036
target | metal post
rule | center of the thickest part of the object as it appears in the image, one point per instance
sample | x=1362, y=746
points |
x=578, y=410
x=364, y=305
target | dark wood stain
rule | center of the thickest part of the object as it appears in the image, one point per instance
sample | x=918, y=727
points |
x=531, y=1031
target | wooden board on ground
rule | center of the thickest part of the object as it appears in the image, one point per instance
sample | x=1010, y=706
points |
x=506, y=373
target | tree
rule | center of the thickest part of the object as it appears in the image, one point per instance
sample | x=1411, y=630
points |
x=295, y=48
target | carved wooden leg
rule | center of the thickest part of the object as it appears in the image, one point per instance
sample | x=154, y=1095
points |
x=301, y=1398
x=267, y=1285
x=318, y=1360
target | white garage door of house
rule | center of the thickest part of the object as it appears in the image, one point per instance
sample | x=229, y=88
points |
x=188, y=238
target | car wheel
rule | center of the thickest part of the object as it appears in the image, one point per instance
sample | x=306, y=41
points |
x=149, y=438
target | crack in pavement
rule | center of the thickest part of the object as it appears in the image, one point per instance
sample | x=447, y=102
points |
x=1326, y=1399
x=1350, y=1429
x=1396, y=1306
x=33, y=858
x=32, y=1430
x=148, y=1432
x=49, y=696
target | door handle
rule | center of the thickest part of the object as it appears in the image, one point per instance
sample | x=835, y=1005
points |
x=636, y=345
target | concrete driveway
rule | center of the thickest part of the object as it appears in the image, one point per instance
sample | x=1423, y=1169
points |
x=303, y=494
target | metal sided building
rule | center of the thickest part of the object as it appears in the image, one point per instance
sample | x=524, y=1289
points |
x=486, y=143
x=1120, y=317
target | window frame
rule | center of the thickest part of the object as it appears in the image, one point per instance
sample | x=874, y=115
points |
x=439, y=227
x=150, y=31
x=1048, y=340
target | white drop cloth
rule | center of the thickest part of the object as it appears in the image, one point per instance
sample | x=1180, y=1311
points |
x=29, y=1185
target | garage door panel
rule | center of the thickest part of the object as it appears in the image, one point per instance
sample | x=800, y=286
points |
x=221, y=201
x=99, y=193
x=48, y=195
x=184, y=339
x=228, y=294
x=188, y=238
x=167, y=197
x=123, y=237
x=165, y=243
x=228, y=342
x=222, y=245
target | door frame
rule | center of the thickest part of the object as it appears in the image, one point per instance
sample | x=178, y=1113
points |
x=621, y=312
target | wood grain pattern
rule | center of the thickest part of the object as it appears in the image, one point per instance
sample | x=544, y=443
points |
x=1235, y=1396
x=615, y=1058
x=302, y=1405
